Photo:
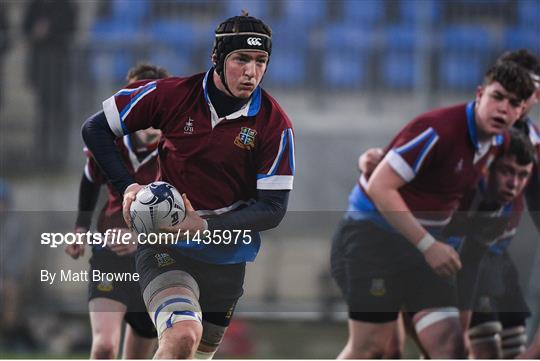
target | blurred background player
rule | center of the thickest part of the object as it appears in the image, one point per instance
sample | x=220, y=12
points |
x=501, y=193
x=488, y=284
x=15, y=330
x=229, y=146
x=50, y=27
x=428, y=167
x=485, y=328
x=111, y=303
x=499, y=289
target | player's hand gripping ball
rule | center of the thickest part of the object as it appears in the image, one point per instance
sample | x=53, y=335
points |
x=157, y=205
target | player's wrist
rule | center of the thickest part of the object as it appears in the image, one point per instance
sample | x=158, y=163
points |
x=425, y=242
x=131, y=187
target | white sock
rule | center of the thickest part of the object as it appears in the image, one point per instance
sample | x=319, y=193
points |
x=200, y=355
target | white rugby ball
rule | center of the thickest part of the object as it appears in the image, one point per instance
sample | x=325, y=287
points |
x=157, y=205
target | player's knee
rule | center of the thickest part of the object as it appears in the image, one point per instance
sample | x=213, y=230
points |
x=368, y=348
x=180, y=341
x=513, y=341
x=444, y=339
x=393, y=352
x=103, y=348
x=451, y=347
x=165, y=311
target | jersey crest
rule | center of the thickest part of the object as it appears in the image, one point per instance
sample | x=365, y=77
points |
x=246, y=138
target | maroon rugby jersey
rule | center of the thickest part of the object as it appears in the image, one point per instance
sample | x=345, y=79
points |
x=218, y=163
x=144, y=170
x=440, y=157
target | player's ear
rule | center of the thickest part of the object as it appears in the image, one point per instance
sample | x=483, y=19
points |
x=214, y=59
x=479, y=92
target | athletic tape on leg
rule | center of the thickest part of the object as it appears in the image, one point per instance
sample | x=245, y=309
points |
x=436, y=316
x=514, y=341
x=485, y=329
x=200, y=355
x=173, y=309
x=170, y=279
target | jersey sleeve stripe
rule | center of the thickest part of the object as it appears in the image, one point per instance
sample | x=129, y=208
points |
x=535, y=137
x=87, y=173
x=399, y=165
x=414, y=142
x=129, y=91
x=113, y=117
x=282, y=143
x=145, y=91
x=292, y=163
x=275, y=182
x=427, y=147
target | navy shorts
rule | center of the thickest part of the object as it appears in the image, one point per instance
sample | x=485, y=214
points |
x=380, y=273
x=127, y=292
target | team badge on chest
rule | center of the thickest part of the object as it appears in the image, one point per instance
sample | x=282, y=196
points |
x=246, y=138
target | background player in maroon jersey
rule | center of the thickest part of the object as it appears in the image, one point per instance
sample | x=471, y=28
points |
x=427, y=169
x=512, y=316
x=229, y=146
x=112, y=303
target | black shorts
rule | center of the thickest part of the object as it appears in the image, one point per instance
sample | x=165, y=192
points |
x=381, y=273
x=127, y=292
x=471, y=254
x=499, y=296
x=220, y=285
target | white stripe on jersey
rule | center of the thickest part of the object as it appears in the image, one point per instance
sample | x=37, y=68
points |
x=139, y=97
x=434, y=223
x=232, y=207
x=113, y=116
x=412, y=142
x=280, y=150
x=506, y=234
x=399, y=165
x=276, y=182
x=87, y=172
x=533, y=134
x=425, y=153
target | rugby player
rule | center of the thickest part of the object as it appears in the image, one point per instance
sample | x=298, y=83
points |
x=501, y=330
x=228, y=146
x=110, y=303
x=488, y=282
x=384, y=254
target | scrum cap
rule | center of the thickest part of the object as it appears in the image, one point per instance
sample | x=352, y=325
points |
x=240, y=33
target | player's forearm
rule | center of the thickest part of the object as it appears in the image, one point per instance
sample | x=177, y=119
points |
x=394, y=209
x=99, y=138
x=88, y=196
x=264, y=214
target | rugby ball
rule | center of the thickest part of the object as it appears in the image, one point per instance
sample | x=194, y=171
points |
x=157, y=205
